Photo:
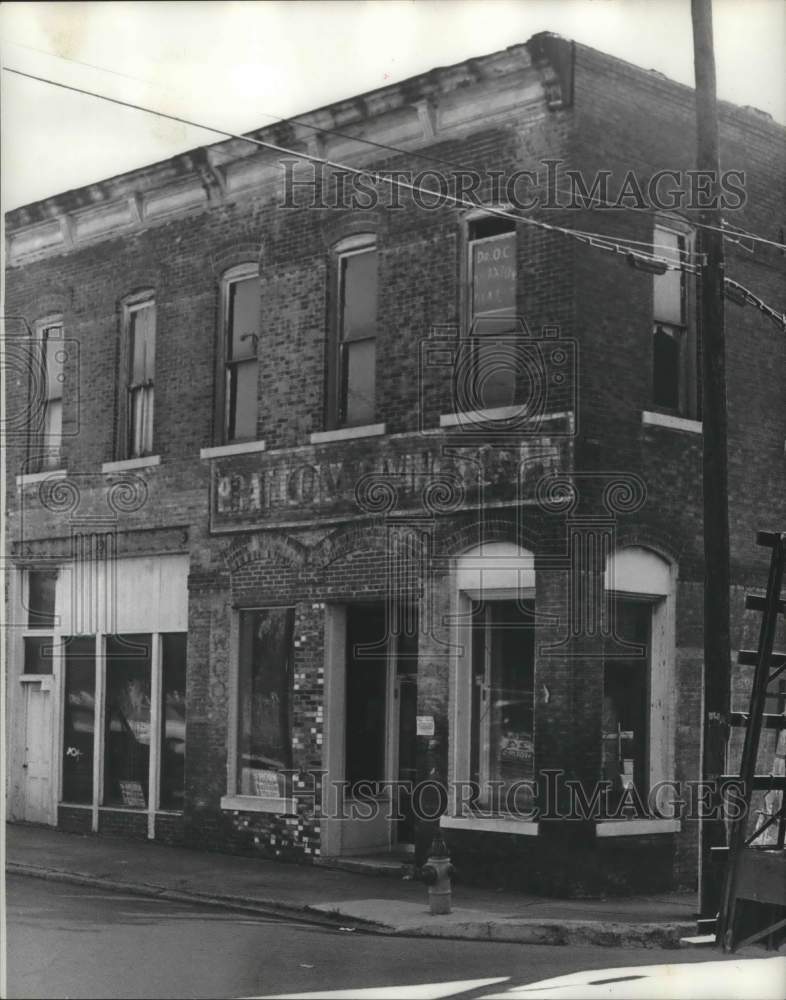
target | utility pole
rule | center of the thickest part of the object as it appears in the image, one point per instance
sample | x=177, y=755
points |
x=717, y=638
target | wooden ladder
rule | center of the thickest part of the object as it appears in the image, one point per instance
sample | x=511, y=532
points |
x=757, y=872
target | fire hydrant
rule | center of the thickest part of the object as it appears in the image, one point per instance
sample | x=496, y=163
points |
x=436, y=874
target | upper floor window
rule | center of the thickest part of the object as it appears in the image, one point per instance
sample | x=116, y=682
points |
x=492, y=289
x=140, y=333
x=51, y=376
x=240, y=335
x=353, y=353
x=674, y=343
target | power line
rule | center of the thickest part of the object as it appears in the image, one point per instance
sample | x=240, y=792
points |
x=744, y=296
x=596, y=240
x=594, y=200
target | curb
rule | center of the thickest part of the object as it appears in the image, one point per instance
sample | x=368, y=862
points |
x=243, y=904
x=524, y=931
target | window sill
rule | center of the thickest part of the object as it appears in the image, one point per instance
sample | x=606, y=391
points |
x=254, y=803
x=490, y=824
x=635, y=827
x=27, y=478
x=347, y=433
x=126, y=464
x=673, y=423
x=241, y=448
x=497, y=413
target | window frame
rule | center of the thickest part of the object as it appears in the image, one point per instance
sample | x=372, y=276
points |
x=240, y=272
x=44, y=458
x=125, y=450
x=335, y=417
x=686, y=333
x=235, y=798
x=102, y=666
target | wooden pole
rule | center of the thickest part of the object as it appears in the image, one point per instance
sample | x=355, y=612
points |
x=717, y=643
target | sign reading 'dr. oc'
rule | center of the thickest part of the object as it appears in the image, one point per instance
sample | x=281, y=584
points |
x=408, y=473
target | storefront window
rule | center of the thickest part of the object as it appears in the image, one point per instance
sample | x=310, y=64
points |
x=127, y=735
x=79, y=719
x=173, y=720
x=503, y=648
x=625, y=701
x=264, y=685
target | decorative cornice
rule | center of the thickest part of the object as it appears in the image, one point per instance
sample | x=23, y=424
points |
x=410, y=114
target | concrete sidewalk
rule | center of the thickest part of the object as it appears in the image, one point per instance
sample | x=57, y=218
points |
x=357, y=901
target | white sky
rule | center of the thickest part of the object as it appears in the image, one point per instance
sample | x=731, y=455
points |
x=230, y=64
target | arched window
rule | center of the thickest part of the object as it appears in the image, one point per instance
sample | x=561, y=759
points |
x=239, y=346
x=495, y=667
x=639, y=671
x=352, y=342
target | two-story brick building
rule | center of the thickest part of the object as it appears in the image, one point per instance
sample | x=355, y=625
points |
x=319, y=484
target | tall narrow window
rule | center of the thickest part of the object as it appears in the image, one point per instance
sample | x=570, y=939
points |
x=127, y=736
x=502, y=703
x=354, y=369
x=141, y=334
x=674, y=336
x=241, y=342
x=492, y=310
x=626, y=701
x=173, y=720
x=264, y=738
x=52, y=377
x=79, y=718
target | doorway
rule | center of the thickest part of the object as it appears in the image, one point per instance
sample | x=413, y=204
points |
x=380, y=724
x=37, y=792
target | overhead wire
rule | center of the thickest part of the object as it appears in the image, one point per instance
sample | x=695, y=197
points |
x=596, y=240
x=595, y=200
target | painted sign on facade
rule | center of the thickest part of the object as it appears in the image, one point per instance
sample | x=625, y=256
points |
x=412, y=473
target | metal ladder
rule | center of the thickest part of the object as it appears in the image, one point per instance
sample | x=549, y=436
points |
x=756, y=873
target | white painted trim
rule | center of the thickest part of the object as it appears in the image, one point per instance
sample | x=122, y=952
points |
x=156, y=694
x=490, y=824
x=347, y=433
x=127, y=464
x=27, y=478
x=635, y=827
x=99, y=722
x=34, y=678
x=233, y=693
x=674, y=423
x=498, y=413
x=241, y=448
x=253, y=803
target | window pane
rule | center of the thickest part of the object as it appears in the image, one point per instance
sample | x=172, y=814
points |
x=625, y=685
x=667, y=288
x=173, y=720
x=38, y=654
x=493, y=374
x=359, y=382
x=264, y=682
x=55, y=356
x=53, y=428
x=503, y=698
x=142, y=344
x=244, y=308
x=140, y=421
x=493, y=262
x=359, y=296
x=41, y=599
x=79, y=719
x=127, y=735
x=242, y=401
x=366, y=691
x=666, y=367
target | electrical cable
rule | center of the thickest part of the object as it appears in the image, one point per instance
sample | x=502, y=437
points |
x=597, y=240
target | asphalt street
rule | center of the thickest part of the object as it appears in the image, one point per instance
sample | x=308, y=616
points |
x=73, y=941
